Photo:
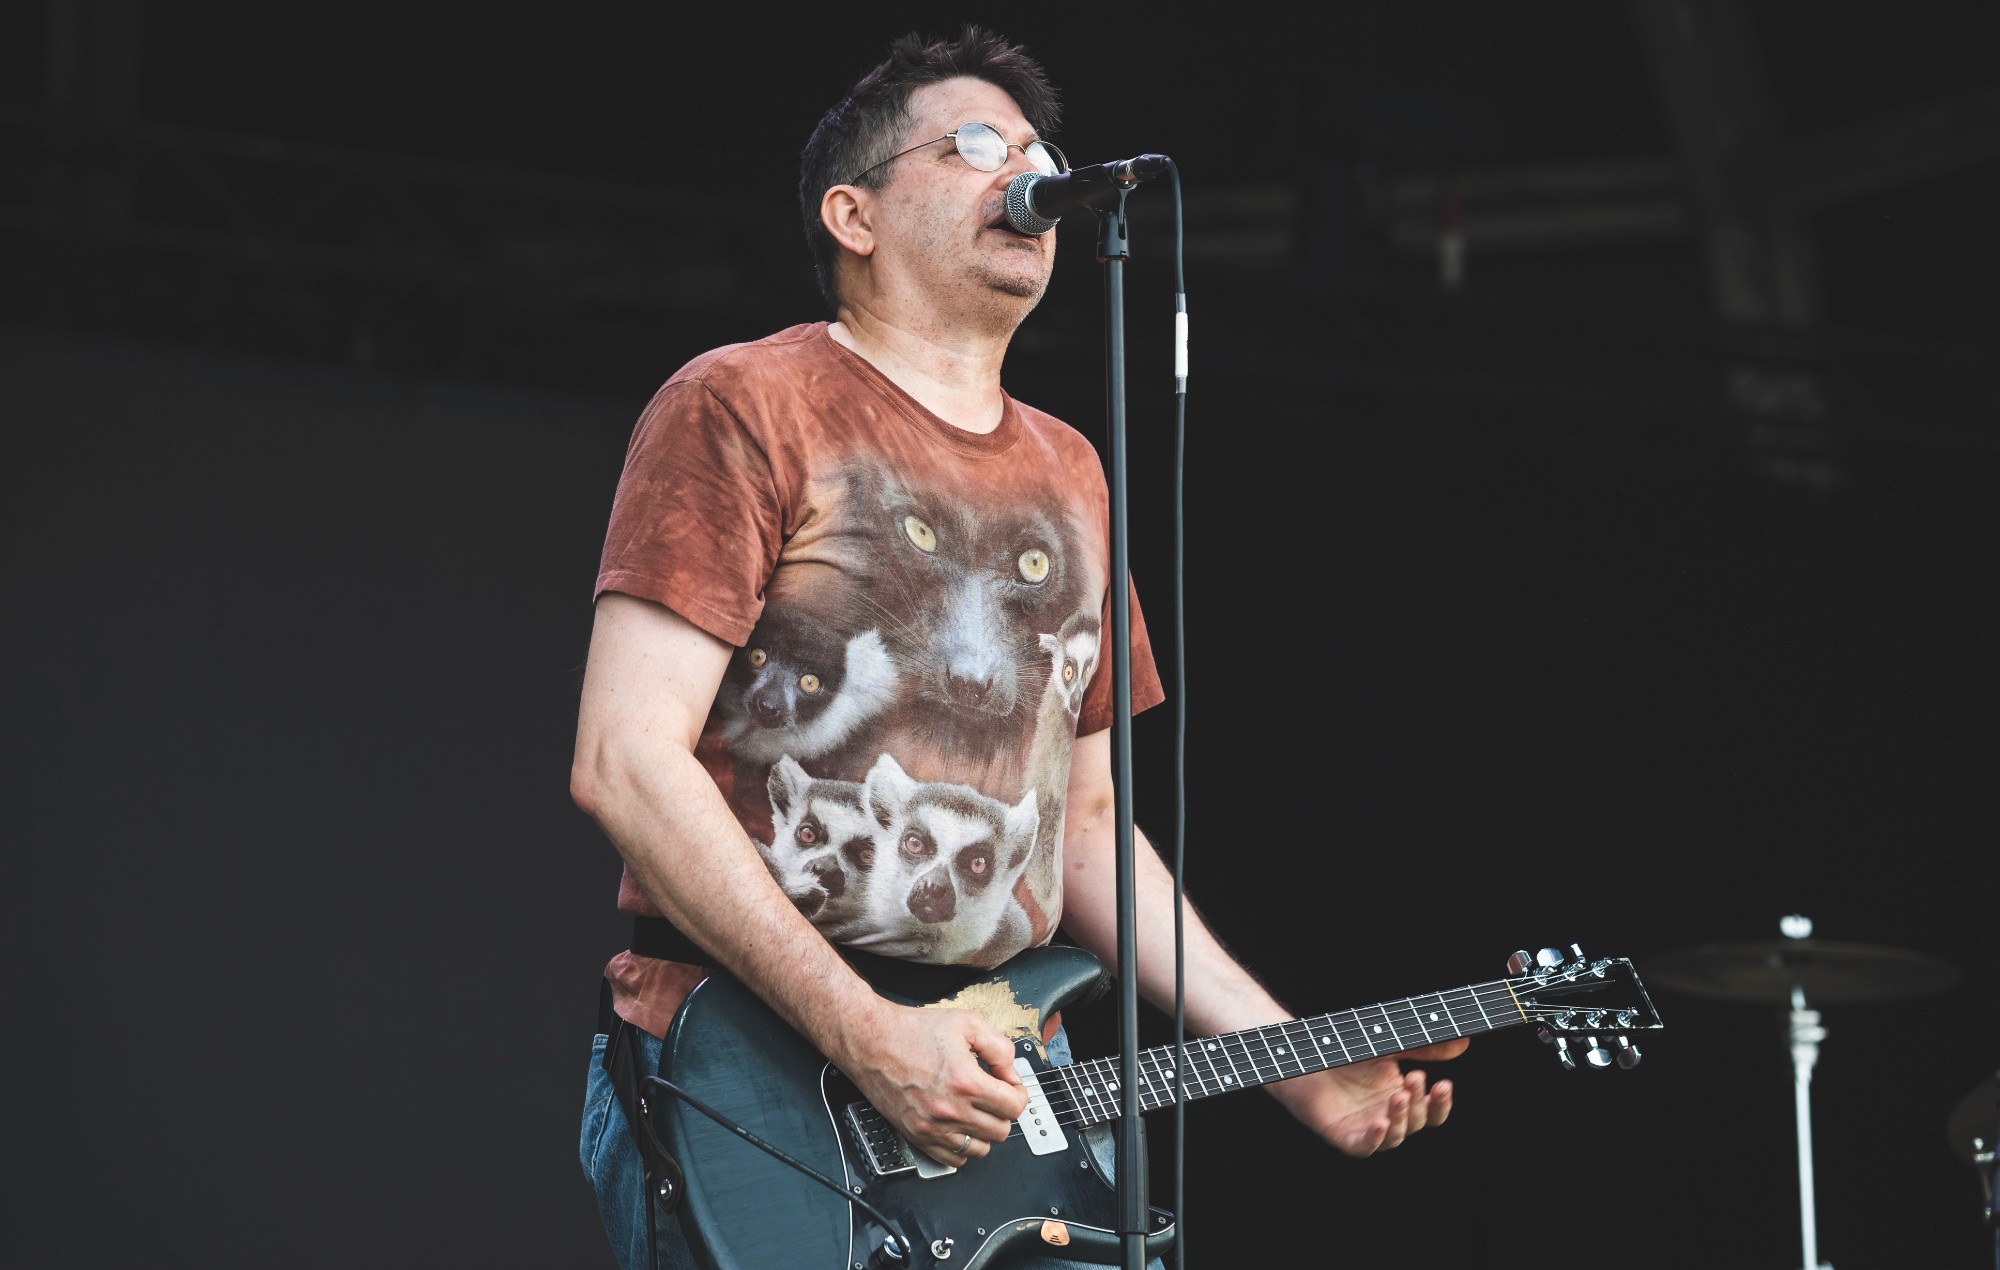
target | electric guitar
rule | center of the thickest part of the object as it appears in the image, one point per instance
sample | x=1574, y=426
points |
x=744, y=1208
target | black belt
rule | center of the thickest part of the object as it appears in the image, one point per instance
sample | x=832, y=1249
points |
x=658, y=937
x=910, y=980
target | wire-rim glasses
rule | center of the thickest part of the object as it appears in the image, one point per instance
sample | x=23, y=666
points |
x=982, y=146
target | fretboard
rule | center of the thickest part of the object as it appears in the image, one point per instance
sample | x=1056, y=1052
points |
x=1280, y=1051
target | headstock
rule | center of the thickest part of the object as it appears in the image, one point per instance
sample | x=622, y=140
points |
x=1575, y=996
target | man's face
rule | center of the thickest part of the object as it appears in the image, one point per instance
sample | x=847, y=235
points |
x=941, y=222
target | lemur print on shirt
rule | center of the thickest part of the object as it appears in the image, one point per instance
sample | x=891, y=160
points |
x=823, y=845
x=923, y=663
x=1071, y=660
x=946, y=862
x=798, y=689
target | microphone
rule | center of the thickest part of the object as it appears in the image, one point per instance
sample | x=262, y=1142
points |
x=1035, y=201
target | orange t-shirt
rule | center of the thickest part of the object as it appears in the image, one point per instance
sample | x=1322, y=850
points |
x=917, y=611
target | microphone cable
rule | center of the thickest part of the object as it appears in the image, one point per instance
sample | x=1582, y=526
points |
x=1180, y=722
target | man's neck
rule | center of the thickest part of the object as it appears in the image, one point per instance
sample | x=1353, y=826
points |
x=954, y=374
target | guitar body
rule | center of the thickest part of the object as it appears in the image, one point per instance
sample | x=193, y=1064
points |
x=743, y=1209
x=1042, y=1190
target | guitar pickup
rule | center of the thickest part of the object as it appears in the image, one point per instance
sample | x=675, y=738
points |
x=1039, y=1127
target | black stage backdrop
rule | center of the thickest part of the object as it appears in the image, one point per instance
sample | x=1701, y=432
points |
x=302, y=930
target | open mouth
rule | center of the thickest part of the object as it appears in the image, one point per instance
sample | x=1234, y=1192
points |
x=1006, y=226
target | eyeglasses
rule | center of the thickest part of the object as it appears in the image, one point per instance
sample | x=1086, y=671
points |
x=982, y=146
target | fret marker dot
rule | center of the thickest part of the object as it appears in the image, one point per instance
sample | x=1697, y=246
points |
x=1228, y=1080
x=1283, y=1050
x=1434, y=1016
x=1325, y=1040
x=1378, y=1029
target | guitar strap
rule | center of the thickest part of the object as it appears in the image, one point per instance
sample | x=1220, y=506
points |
x=664, y=1179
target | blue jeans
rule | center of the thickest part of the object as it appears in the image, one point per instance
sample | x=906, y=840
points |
x=610, y=1158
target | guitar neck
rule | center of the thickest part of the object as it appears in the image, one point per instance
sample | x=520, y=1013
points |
x=1280, y=1051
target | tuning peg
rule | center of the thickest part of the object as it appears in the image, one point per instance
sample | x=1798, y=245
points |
x=1596, y=1055
x=1563, y=1056
x=1548, y=958
x=1519, y=961
x=1628, y=1054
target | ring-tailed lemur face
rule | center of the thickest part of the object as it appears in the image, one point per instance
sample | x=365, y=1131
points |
x=946, y=860
x=962, y=592
x=1073, y=659
x=801, y=690
x=822, y=843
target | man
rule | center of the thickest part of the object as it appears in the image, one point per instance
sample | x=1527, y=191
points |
x=840, y=684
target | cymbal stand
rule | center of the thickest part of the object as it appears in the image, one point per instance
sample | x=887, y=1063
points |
x=1806, y=1034
x=1983, y=1143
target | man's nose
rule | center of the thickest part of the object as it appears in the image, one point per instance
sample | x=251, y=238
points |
x=1017, y=161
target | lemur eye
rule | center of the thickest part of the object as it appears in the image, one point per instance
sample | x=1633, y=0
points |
x=1069, y=672
x=808, y=833
x=808, y=684
x=976, y=866
x=1033, y=564
x=920, y=534
x=914, y=844
x=758, y=658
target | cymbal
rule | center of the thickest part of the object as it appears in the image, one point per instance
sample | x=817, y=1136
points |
x=1768, y=970
x=1973, y=1118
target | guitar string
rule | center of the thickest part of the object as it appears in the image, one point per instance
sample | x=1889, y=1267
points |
x=1100, y=1084
x=1090, y=1094
x=1096, y=1101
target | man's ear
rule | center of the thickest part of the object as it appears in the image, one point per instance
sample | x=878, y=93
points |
x=847, y=212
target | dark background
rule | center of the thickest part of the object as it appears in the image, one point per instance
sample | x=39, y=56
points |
x=1635, y=590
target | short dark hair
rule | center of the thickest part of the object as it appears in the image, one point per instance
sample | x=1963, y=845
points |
x=872, y=121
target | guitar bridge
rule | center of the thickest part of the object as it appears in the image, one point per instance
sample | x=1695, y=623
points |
x=886, y=1151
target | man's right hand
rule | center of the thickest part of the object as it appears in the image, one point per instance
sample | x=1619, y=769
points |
x=940, y=1076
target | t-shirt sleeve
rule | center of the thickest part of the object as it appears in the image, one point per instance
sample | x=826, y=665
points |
x=1098, y=707
x=697, y=518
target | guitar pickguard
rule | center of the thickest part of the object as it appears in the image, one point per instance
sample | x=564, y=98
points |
x=1043, y=1187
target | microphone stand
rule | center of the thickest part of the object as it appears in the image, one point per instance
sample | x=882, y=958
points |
x=1113, y=250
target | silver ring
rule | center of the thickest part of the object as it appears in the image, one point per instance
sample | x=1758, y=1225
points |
x=966, y=1145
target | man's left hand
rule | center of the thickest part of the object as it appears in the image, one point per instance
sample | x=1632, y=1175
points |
x=1368, y=1107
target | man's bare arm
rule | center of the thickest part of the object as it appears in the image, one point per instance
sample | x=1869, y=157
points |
x=650, y=681
x=1359, y=1108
